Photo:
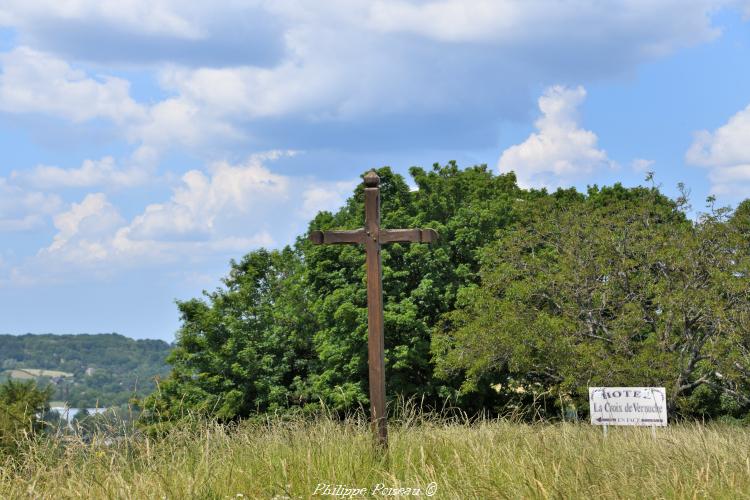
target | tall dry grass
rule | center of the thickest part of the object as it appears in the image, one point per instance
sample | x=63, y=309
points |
x=486, y=459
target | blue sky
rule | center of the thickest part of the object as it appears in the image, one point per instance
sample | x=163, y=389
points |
x=144, y=143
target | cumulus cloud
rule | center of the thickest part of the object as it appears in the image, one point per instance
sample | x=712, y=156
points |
x=204, y=204
x=560, y=152
x=725, y=153
x=154, y=16
x=22, y=210
x=326, y=196
x=149, y=31
x=181, y=122
x=221, y=211
x=666, y=24
x=324, y=77
x=85, y=224
x=339, y=69
x=104, y=172
x=249, y=92
x=344, y=74
x=507, y=22
x=35, y=82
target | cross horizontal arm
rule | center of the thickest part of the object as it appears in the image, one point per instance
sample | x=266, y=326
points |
x=338, y=237
x=408, y=235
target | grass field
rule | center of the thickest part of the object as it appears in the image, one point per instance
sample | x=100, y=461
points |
x=487, y=459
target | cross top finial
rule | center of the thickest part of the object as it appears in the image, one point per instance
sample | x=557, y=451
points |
x=371, y=179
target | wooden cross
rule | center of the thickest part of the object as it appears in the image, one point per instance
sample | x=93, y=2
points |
x=372, y=237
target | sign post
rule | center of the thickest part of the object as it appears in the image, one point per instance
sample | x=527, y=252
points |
x=639, y=406
x=372, y=237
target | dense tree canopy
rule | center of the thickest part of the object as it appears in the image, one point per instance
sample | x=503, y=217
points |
x=249, y=347
x=289, y=327
x=527, y=295
x=20, y=402
x=618, y=288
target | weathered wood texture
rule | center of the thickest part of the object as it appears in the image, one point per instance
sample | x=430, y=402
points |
x=359, y=236
x=338, y=237
x=375, y=339
x=408, y=235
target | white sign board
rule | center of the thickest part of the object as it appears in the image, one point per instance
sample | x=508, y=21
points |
x=628, y=406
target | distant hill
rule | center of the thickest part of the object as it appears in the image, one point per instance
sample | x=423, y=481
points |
x=86, y=370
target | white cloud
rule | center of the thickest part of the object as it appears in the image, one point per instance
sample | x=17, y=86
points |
x=340, y=62
x=560, y=152
x=103, y=172
x=148, y=32
x=85, y=224
x=725, y=153
x=204, y=203
x=137, y=16
x=182, y=122
x=679, y=22
x=135, y=253
x=220, y=212
x=508, y=22
x=250, y=92
x=349, y=60
x=96, y=247
x=326, y=196
x=22, y=210
x=359, y=62
x=37, y=82
x=34, y=82
x=449, y=20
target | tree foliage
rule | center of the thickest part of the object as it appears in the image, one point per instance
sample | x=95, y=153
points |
x=247, y=346
x=20, y=404
x=289, y=327
x=526, y=295
x=618, y=288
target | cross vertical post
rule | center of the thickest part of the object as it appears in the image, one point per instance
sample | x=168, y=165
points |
x=372, y=236
x=376, y=335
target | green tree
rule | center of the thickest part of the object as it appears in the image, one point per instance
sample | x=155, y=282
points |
x=526, y=296
x=21, y=404
x=617, y=288
x=246, y=347
x=289, y=328
x=420, y=282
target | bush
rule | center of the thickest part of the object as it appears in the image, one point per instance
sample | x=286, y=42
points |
x=21, y=405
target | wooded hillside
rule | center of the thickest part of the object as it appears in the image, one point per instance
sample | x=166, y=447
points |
x=107, y=369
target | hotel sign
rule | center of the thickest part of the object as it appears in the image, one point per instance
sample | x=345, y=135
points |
x=628, y=406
